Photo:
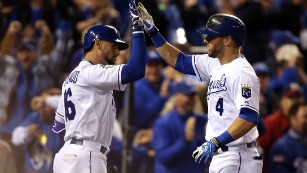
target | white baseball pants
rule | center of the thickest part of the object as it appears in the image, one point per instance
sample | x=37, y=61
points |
x=74, y=158
x=239, y=159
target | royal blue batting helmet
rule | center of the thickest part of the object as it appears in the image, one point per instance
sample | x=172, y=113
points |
x=103, y=32
x=222, y=24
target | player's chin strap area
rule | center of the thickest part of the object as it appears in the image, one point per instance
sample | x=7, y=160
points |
x=90, y=145
x=239, y=147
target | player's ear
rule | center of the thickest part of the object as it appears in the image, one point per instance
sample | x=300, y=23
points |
x=228, y=40
x=98, y=43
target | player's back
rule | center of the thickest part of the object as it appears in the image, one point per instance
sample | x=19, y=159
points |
x=87, y=102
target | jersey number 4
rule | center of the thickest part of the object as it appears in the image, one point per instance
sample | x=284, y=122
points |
x=219, y=106
x=70, y=110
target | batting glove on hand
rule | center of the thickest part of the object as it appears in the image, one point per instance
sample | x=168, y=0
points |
x=137, y=25
x=203, y=153
x=146, y=18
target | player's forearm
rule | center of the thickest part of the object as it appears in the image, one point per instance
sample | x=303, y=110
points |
x=135, y=68
x=168, y=52
x=239, y=127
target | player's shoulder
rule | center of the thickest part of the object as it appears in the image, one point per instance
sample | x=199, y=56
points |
x=244, y=68
x=205, y=58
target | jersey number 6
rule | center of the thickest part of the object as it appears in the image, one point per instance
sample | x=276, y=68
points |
x=70, y=110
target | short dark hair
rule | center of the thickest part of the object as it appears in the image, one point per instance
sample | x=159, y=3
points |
x=294, y=108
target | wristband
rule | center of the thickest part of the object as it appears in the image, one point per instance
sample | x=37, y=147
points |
x=215, y=142
x=224, y=138
x=154, y=32
x=158, y=40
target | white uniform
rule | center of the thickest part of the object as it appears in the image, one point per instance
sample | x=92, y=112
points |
x=231, y=87
x=88, y=110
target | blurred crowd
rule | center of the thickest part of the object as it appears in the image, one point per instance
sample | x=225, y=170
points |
x=41, y=42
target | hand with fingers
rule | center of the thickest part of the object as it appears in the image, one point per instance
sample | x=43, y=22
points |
x=137, y=25
x=203, y=153
x=146, y=18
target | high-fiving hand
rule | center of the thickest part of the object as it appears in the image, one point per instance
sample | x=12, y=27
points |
x=137, y=25
x=146, y=18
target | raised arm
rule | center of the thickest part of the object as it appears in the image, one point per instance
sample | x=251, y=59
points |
x=168, y=52
x=135, y=68
x=10, y=38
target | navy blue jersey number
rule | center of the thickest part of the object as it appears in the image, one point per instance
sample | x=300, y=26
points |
x=70, y=110
x=219, y=106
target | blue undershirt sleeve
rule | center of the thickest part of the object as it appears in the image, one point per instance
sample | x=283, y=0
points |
x=135, y=68
x=249, y=115
x=184, y=64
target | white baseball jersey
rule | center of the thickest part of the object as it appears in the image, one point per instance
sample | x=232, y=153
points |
x=231, y=87
x=86, y=105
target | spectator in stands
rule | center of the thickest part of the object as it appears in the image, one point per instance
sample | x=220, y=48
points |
x=251, y=13
x=21, y=86
x=39, y=143
x=268, y=99
x=193, y=15
x=289, y=154
x=176, y=134
x=150, y=93
x=100, y=11
x=30, y=11
x=290, y=68
x=277, y=124
x=23, y=77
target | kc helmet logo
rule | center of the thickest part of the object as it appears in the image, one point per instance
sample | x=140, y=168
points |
x=246, y=90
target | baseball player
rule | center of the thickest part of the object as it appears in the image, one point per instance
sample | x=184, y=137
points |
x=233, y=92
x=86, y=108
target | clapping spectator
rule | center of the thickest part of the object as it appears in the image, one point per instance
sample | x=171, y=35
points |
x=176, y=134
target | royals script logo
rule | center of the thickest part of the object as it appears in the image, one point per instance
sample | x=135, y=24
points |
x=217, y=85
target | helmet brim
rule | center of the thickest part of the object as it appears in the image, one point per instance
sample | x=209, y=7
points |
x=121, y=44
x=206, y=31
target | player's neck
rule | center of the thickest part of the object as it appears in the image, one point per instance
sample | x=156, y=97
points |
x=229, y=55
x=90, y=57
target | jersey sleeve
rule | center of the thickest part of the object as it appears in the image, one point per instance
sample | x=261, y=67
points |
x=247, y=90
x=105, y=77
x=59, y=121
x=203, y=66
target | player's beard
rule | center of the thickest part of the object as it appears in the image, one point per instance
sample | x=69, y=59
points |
x=111, y=61
x=213, y=53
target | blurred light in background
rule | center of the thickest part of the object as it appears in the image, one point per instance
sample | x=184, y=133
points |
x=180, y=34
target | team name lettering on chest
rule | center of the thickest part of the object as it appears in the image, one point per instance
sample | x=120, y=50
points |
x=218, y=85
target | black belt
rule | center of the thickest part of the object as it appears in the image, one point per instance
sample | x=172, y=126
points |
x=80, y=142
x=248, y=145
